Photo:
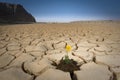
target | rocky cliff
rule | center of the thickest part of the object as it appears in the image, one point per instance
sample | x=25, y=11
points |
x=14, y=13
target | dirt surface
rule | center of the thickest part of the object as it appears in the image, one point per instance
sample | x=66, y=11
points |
x=70, y=66
x=27, y=51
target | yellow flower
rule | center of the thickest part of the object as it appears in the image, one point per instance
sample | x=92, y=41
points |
x=68, y=48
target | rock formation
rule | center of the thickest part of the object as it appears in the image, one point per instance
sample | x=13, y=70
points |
x=14, y=13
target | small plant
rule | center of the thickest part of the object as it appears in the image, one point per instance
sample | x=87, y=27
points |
x=67, y=60
x=66, y=64
x=68, y=49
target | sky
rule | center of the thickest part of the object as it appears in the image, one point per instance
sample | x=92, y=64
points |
x=70, y=10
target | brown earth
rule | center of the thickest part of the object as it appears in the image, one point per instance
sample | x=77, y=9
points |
x=27, y=51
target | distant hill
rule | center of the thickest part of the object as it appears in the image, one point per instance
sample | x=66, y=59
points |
x=14, y=13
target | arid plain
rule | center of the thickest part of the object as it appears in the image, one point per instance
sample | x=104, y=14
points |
x=27, y=51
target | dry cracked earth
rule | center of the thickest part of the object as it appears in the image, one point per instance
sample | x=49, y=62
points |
x=27, y=51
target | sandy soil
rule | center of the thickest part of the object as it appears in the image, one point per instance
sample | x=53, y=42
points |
x=28, y=50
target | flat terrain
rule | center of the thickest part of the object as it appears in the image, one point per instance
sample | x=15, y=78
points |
x=27, y=51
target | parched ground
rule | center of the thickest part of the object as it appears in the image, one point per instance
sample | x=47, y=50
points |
x=27, y=51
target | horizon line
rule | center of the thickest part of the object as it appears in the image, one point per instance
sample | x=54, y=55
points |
x=72, y=21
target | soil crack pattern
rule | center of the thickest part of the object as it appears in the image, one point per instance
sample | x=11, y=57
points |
x=38, y=51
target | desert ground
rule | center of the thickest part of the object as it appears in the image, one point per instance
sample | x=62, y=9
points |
x=27, y=51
